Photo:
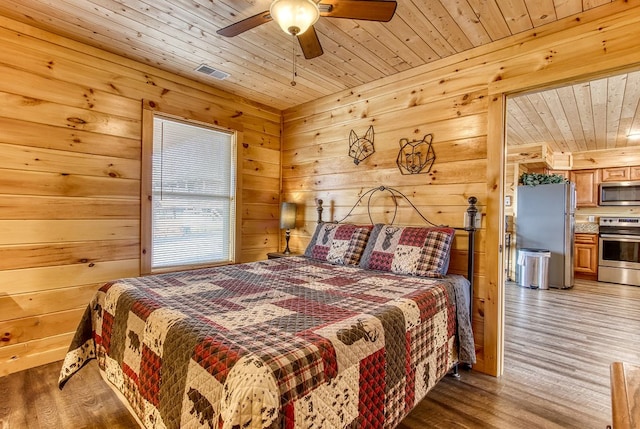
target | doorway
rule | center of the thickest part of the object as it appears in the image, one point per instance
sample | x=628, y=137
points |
x=566, y=130
x=583, y=132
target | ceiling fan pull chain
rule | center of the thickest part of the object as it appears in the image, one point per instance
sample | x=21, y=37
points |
x=293, y=54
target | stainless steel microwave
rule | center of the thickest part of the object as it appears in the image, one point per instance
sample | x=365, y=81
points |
x=619, y=194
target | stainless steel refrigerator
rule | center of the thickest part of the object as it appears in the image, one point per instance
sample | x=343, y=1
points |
x=545, y=219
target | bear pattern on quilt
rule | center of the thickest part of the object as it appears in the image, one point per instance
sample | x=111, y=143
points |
x=289, y=342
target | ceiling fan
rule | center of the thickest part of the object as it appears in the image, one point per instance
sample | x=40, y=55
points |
x=296, y=17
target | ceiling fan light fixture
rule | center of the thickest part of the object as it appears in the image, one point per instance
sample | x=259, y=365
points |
x=634, y=136
x=294, y=16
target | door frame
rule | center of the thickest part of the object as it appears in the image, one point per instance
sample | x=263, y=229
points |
x=496, y=162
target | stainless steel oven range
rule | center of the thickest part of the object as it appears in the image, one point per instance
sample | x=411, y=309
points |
x=619, y=250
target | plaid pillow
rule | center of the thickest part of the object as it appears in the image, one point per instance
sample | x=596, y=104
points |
x=338, y=244
x=417, y=251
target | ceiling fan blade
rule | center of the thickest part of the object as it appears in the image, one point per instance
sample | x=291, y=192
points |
x=310, y=43
x=246, y=24
x=368, y=10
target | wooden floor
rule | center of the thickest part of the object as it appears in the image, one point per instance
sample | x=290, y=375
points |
x=559, y=344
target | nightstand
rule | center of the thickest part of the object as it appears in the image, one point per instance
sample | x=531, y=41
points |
x=275, y=255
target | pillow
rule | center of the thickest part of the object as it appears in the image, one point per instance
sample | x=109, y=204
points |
x=418, y=251
x=338, y=244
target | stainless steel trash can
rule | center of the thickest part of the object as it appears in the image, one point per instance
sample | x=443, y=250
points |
x=533, y=268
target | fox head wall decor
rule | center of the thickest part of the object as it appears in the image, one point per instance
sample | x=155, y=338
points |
x=361, y=148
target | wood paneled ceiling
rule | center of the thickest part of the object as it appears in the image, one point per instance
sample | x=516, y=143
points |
x=594, y=115
x=180, y=35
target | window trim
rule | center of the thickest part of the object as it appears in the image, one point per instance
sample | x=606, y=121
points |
x=146, y=234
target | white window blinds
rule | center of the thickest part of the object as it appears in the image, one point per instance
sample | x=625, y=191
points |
x=193, y=202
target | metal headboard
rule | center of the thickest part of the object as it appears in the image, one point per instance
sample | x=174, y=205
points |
x=470, y=222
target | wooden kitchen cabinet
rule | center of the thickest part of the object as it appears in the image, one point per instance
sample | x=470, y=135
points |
x=616, y=174
x=586, y=182
x=620, y=174
x=585, y=256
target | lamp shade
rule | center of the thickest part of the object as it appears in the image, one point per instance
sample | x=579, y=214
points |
x=287, y=215
x=294, y=16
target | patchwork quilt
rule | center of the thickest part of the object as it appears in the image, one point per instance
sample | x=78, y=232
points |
x=282, y=343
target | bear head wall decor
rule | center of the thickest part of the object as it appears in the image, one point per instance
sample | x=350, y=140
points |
x=415, y=156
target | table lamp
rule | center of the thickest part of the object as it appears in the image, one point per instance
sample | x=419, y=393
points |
x=287, y=221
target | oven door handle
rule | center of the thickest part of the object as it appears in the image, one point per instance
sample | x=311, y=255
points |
x=620, y=237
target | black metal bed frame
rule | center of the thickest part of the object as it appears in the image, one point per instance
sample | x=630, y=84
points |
x=470, y=222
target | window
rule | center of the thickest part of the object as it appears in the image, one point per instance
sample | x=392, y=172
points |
x=193, y=202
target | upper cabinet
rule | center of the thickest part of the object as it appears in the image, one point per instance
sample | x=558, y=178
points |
x=616, y=174
x=620, y=174
x=586, y=182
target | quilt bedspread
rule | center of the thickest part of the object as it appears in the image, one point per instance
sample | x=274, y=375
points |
x=282, y=343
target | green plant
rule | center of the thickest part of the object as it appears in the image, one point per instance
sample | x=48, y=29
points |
x=534, y=179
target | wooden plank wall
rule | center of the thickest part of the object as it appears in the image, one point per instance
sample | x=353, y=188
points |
x=70, y=127
x=449, y=98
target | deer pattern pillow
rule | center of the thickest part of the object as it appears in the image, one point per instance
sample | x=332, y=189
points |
x=338, y=243
x=418, y=251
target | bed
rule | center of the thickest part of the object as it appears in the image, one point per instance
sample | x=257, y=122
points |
x=352, y=334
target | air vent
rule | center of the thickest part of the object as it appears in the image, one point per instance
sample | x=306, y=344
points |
x=220, y=75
